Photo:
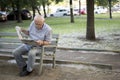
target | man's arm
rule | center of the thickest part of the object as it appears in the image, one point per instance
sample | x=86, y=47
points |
x=40, y=42
x=47, y=41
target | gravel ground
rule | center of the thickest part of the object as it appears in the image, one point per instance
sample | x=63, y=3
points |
x=104, y=40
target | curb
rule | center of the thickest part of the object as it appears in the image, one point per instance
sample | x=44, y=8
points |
x=98, y=65
x=82, y=49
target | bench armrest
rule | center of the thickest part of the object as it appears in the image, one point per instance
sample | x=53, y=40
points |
x=47, y=46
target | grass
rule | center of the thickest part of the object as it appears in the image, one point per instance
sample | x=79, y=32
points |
x=62, y=25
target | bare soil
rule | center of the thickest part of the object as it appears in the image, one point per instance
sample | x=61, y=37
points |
x=9, y=71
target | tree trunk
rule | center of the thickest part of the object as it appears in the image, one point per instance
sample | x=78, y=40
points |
x=19, y=12
x=110, y=12
x=33, y=9
x=90, y=33
x=79, y=7
x=38, y=10
x=71, y=12
x=13, y=8
x=43, y=3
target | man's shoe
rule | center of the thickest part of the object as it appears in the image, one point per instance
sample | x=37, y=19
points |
x=23, y=69
x=25, y=73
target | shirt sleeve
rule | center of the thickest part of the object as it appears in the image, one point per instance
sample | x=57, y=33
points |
x=48, y=36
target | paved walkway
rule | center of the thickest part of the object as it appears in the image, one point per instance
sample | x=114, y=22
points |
x=100, y=59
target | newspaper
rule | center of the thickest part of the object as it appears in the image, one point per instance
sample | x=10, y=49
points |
x=24, y=38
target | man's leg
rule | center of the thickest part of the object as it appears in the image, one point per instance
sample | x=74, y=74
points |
x=31, y=61
x=31, y=58
x=18, y=56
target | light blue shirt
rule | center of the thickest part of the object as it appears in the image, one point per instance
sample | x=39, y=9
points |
x=42, y=34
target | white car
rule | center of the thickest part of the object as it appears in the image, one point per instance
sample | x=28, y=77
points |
x=100, y=9
x=75, y=12
x=60, y=12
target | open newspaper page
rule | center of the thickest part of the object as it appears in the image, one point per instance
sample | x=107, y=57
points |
x=24, y=38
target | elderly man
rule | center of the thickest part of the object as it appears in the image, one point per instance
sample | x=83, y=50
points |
x=41, y=33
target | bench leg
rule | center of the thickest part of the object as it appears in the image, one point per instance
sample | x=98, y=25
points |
x=54, y=62
x=41, y=61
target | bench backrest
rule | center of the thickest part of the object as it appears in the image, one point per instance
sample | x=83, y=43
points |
x=11, y=41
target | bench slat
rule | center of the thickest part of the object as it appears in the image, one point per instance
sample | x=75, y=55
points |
x=9, y=45
x=9, y=40
x=4, y=34
x=13, y=34
x=6, y=51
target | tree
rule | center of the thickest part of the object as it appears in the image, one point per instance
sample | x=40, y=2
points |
x=44, y=2
x=13, y=8
x=107, y=3
x=3, y=4
x=110, y=12
x=33, y=5
x=90, y=32
x=18, y=6
x=71, y=12
x=79, y=7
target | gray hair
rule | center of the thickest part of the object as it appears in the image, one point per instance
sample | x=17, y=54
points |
x=39, y=18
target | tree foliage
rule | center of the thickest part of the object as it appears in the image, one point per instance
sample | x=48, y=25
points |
x=57, y=1
x=4, y=4
x=33, y=4
x=105, y=2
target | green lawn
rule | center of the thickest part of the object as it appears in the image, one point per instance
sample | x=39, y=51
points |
x=62, y=25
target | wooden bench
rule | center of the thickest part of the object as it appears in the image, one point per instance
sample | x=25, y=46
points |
x=9, y=41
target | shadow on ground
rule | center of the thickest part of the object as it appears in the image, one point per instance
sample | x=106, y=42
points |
x=9, y=71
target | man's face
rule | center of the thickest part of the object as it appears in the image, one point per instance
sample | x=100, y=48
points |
x=38, y=24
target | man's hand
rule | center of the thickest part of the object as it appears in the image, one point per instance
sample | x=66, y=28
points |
x=40, y=42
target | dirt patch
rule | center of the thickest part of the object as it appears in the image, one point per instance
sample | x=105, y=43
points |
x=10, y=71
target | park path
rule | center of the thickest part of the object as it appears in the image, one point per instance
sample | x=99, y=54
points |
x=109, y=60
